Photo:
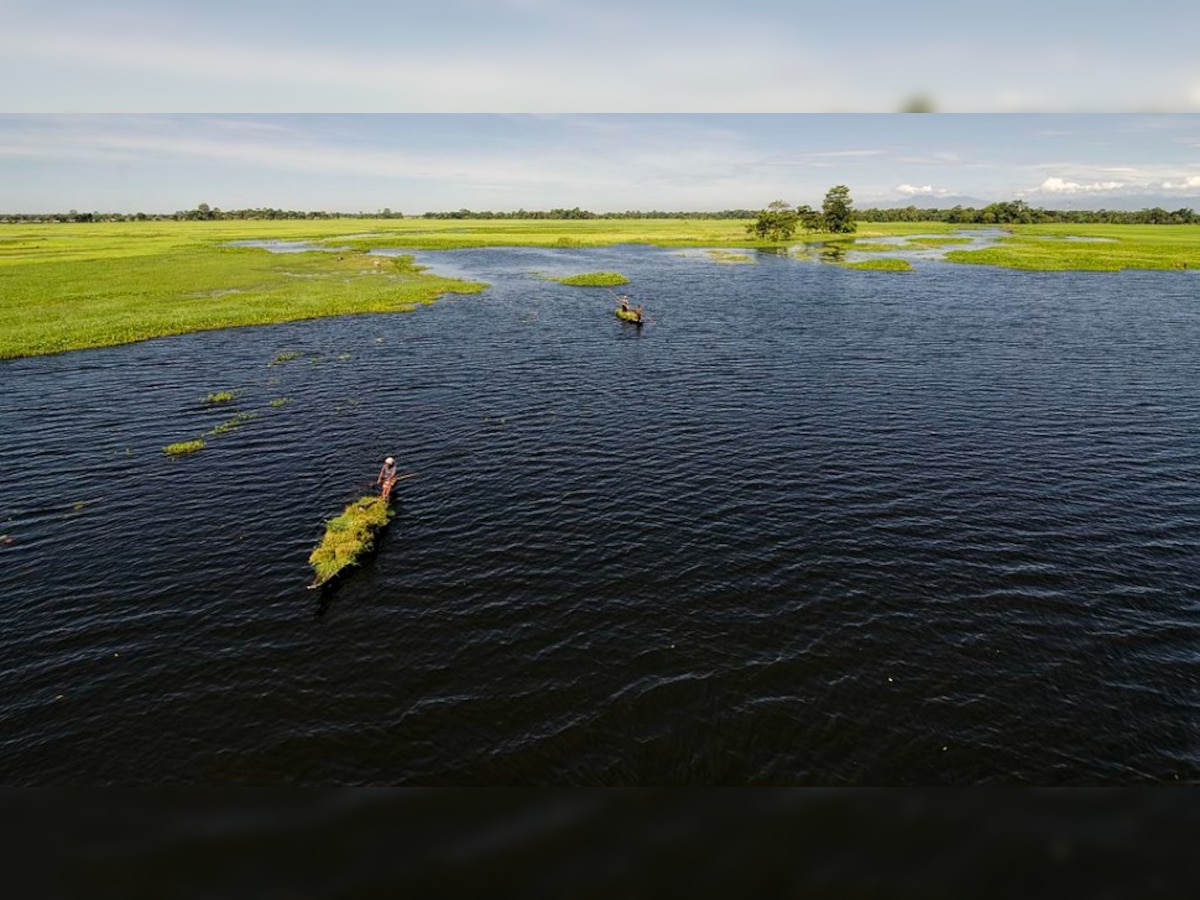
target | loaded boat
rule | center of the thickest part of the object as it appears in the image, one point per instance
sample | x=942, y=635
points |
x=351, y=535
x=627, y=313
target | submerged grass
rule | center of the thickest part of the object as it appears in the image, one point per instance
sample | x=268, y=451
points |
x=349, y=536
x=728, y=256
x=219, y=397
x=231, y=424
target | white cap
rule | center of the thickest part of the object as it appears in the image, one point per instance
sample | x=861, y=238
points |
x=389, y=460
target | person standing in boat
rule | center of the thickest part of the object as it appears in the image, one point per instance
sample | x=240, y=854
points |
x=387, y=477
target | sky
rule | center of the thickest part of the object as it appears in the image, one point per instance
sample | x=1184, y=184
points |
x=140, y=105
x=413, y=163
x=586, y=56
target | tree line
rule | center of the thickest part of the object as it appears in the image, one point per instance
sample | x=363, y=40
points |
x=779, y=221
x=1018, y=212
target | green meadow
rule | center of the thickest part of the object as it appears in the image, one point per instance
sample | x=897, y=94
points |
x=72, y=286
x=1100, y=248
x=75, y=286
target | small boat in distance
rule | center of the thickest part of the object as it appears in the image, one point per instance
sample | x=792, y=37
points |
x=627, y=313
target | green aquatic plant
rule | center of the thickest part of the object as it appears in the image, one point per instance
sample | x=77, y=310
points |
x=231, y=424
x=593, y=279
x=284, y=356
x=887, y=264
x=219, y=397
x=182, y=448
x=277, y=402
x=349, y=536
x=728, y=256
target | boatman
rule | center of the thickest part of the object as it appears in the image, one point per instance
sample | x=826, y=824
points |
x=387, y=477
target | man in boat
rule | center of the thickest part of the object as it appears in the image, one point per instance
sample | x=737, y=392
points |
x=387, y=477
x=624, y=302
x=639, y=312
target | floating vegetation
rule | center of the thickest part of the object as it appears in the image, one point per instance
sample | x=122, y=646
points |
x=219, y=397
x=934, y=243
x=882, y=265
x=183, y=448
x=349, y=537
x=231, y=424
x=342, y=357
x=593, y=279
x=727, y=256
x=284, y=356
x=277, y=402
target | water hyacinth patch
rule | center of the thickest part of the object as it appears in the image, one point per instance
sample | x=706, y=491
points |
x=593, y=279
x=183, y=448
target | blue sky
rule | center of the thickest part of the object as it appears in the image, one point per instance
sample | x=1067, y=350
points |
x=135, y=105
x=413, y=163
x=613, y=56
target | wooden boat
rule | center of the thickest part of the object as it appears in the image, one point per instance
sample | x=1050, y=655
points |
x=629, y=315
x=351, y=535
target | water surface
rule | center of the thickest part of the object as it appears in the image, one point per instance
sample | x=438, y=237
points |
x=809, y=525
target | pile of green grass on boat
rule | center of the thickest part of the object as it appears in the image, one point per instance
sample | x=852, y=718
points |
x=594, y=279
x=349, y=536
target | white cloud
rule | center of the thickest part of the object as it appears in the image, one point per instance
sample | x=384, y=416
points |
x=1192, y=182
x=927, y=190
x=1060, y=186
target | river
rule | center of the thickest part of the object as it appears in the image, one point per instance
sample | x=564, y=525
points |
x=808, y=526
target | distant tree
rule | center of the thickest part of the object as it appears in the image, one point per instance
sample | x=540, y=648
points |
x=810, y=219
x=838, y=211
x=775, y=223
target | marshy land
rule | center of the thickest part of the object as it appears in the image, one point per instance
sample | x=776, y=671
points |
x=69, y=286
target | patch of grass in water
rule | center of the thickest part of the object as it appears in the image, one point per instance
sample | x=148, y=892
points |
x=183, y=448
x=349, y=536
x=882, y=265
x=231, y=424
x=727, y=256
x=284, y=356
x=934, y=243
x=277, y=402
x=593, y=279
x=219, y=397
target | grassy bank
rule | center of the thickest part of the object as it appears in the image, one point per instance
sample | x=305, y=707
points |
x=73, y=287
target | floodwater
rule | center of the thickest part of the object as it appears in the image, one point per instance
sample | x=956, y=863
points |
x=809, y=525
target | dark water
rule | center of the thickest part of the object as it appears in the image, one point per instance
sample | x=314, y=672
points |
x=808, y=526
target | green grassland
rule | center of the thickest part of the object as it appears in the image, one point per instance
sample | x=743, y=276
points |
x=72, y=286
x=1101, y=248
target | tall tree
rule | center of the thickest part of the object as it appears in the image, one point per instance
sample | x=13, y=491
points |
x=839, y=211
x=775, y=223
